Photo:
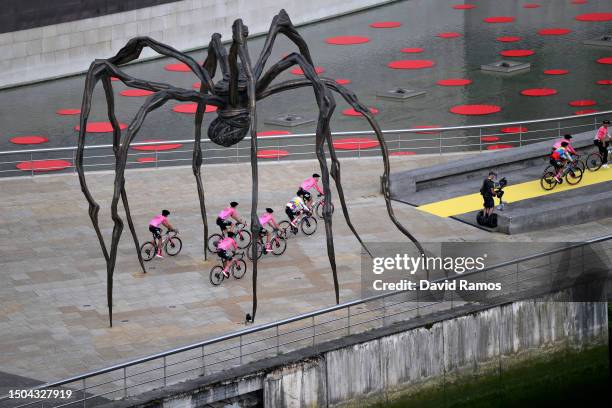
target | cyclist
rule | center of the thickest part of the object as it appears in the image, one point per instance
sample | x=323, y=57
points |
x=223, y=220
x=154, y=227
x=309, y=184
x=294, y=208
x=558, y=159
x=267, y=219
x=566, y=138
x=223, y=247
x=602, y=141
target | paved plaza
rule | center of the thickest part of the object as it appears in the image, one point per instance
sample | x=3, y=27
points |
x=53, y=314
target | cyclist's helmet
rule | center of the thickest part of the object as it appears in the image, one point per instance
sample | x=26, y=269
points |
x=606, y=122
x=567, y=137
x=269, y=210
x=230, y=234
x=233, y=204
x=165, y=213
x=307, y=196
x=315, y=175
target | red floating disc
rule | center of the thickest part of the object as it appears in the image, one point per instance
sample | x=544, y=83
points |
x=509, y=38
x=26, y=140
x=499, y=146
x=402, y=154
x=135, y=92
x=355, y=143
x=594, y=17
x=427, y=132
x=273, y=133
x=100, y=127
x=196, y=85
x=517, y=53
x=583, y=102
x=490, y=138
x=341, y=81
x=411, y=64
x=449, y=35
x=475, y=109
x=386, y=24
x=517, y=129
x=146, y=160
x=454, y=82
x=68, y=111
x=604, y=82
x=531, y=5
x=585, y=111
x=157, y=148
x=114, y=79
x=554, y=31
x=177, y=67
x=556, y=71
x=44, y=165
x=498, y=19
x=538, y=92
x=272, y=154
x=580, y=1
x=415, y=50
x=353, y=112
x=606, y=60
x=464, y=6
x=298, y=71
x=347, y=40
x=191, y=108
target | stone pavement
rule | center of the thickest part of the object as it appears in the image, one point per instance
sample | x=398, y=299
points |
x=53, y=314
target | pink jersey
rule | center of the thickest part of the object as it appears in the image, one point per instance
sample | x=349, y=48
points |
x=227, y=212
x=227, y=243
x=601, y=133
x=266, y=218
x=158, y=220
x=309, y=183
x=569, y=146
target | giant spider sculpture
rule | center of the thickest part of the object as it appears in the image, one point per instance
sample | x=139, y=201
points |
x=235, y=96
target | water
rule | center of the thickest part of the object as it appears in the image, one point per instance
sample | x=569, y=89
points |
x=31, y=109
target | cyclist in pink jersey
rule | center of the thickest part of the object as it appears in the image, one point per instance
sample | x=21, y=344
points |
x=307, y=185
x=267, y=219
x=223, y=220
x=569, y=148
x=223, y=248
x=602, y=141
x=154, y=227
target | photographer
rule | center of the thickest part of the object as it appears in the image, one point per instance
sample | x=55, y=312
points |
x=488, y=192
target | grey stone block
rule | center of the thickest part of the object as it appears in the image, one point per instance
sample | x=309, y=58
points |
x=506, y=67
x=400, y=93
x=289, y=120
x=601, y=41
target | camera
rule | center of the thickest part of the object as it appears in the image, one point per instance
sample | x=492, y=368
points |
x=499, y=191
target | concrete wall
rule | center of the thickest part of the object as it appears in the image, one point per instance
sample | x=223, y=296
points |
x=67, y=48
x=378, y=366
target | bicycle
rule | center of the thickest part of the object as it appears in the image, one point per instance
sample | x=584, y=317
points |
x=573, y=175
x=576, y=162
x=594, y=160
x=278, y=244
x=171, y=243
x=307, y=223
x=238, y=268
x=318, y=206
x=242, y=237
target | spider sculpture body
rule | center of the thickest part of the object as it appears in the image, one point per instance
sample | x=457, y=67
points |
x=235, y=96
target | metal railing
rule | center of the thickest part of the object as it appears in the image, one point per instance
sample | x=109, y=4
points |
x=437, y=140
x=520, y=277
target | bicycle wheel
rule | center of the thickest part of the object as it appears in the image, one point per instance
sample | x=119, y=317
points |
x=258, y=250
x=573, y=176
x=548, y=181
x=239, y=268
x=147, y=250
x=286, y=230
x=319, y=209
x=243, y=238
x=580, y=164
x=173, y=246
x=593, y=162
x=213, y=240
x=279, y=245
x=309, y=225
x=216, y=275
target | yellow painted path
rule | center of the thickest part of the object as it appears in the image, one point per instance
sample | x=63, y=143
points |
x=513, y=193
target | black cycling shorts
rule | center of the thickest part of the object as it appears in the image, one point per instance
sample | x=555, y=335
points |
x=223, y=254
x=156, y=231
x=557, y=165
x=290, y=213
x=223, y=224
x=488, y=202
x=263, y=231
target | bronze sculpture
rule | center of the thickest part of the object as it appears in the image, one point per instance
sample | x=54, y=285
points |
x=235, y=96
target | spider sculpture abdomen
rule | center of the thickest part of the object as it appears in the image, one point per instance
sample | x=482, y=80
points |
x=229, y=127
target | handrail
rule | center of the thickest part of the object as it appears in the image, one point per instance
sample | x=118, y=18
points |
x=304, y=316
x=312, y=134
